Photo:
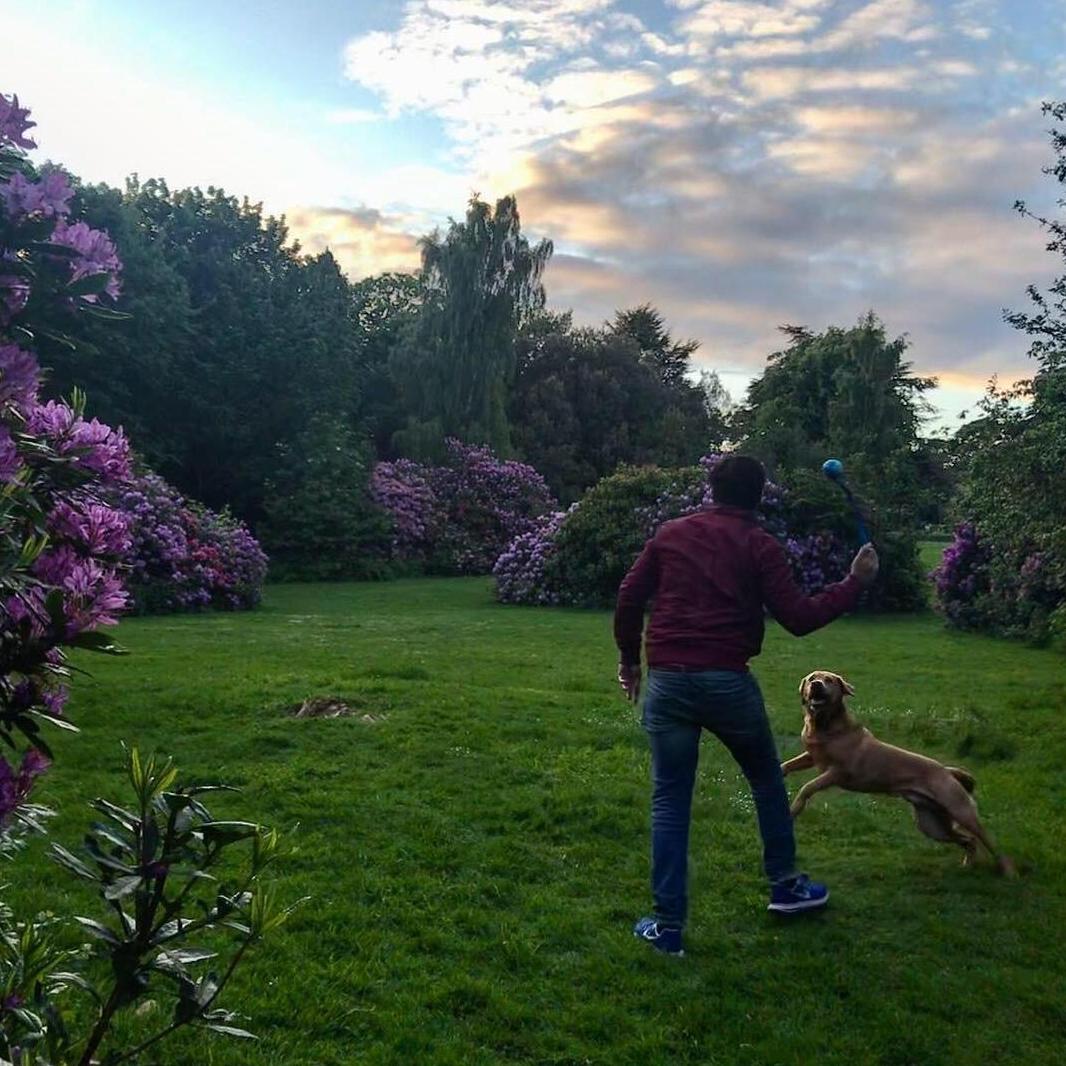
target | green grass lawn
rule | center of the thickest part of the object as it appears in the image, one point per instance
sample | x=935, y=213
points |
x=478, y=853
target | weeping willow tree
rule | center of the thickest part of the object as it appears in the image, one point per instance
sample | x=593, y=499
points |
x=455, y=361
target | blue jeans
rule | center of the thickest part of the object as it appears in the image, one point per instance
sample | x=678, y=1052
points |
x=677, y=707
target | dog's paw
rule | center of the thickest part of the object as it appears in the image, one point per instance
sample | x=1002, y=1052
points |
x=1007, y=868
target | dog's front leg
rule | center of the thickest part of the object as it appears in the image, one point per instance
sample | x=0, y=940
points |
x=800, y=762
x=816, y=784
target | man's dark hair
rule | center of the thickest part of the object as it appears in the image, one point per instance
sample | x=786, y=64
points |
x=737, y=481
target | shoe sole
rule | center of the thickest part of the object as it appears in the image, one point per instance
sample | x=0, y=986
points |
x=795, y=908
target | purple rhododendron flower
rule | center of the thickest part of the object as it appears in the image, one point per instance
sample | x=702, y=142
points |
x=20, y=377
x=93, y=595
x=92, y=446
x=10, y=462
x=97, y=529
x=14, y=122
x=182, y=556
x=55, y=700
x=15, y=787
x=96, y=252
x=14, y=295
x=48, y=197
x=460, y=516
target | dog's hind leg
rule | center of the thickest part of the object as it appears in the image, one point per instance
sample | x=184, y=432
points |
x=936, y=823
x=965, y=815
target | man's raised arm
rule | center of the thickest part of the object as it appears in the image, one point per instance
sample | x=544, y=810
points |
x=799, y=613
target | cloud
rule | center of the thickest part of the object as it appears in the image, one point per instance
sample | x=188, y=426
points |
x=778, y=82
x=363, y=240
x=352, y=116
x=905, y=20
x=737, y=18
x=743, y=164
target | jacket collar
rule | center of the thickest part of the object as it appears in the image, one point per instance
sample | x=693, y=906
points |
x=732, y=512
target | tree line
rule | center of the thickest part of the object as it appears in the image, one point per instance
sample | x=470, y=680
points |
x=244, y=360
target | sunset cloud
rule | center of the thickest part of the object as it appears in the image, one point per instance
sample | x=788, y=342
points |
x=363, y=241
x=744, y=163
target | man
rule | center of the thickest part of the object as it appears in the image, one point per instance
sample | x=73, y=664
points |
x=711, y=575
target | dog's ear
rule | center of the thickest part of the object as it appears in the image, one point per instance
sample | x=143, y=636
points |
x=803, y=688
x=846, y=686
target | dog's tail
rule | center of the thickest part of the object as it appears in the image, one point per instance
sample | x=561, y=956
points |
x=964, y=778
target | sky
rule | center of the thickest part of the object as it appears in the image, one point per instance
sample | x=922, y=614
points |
x=738, y=164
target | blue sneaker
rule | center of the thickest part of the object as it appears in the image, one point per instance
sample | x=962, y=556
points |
x=668, y=941
x=799, y=893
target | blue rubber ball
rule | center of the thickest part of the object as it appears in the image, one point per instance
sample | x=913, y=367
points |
x=832, y=468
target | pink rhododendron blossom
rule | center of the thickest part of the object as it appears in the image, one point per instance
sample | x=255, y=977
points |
x=458, y=517
x=182, y=556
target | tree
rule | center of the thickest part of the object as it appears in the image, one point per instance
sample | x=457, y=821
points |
x=235, y=339
x=1012, y=498
x=320, y=519
x=670, y=359
x=718, y=404
x=842, y=392
x=384, y=307
x=1047, y=323
x=455, y=362
x=586, y=401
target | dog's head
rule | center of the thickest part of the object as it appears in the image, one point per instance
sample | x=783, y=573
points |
x=823, y=695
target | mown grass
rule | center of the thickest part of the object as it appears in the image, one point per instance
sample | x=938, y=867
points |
x=476, y=855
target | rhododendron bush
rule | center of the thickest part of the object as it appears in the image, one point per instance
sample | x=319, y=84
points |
x=61, y=543
x=69, y=521
x=457, y=518
x=183, y=556
x=581, y=557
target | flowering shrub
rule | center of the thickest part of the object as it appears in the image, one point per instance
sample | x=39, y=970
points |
x=62, y=544
x=1015, y=588
x=459, y=517
x=581, y=557
x=183, y=556
x=402, y=489
x=962, y=575
x=522, y=571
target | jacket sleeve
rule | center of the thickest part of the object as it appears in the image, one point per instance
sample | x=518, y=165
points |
x=799, y=613
x=638, y=586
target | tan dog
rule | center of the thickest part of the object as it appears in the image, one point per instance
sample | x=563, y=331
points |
x=849, y=756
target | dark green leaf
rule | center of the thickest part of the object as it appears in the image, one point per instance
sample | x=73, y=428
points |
x=98, y=930
x=72, y=863
x=90, y=285
x=98, y=641
x=59, y=723
x=123, y=817
x=187, y=956
x=123, y=886
x=223, y=833
x=229, y=1030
